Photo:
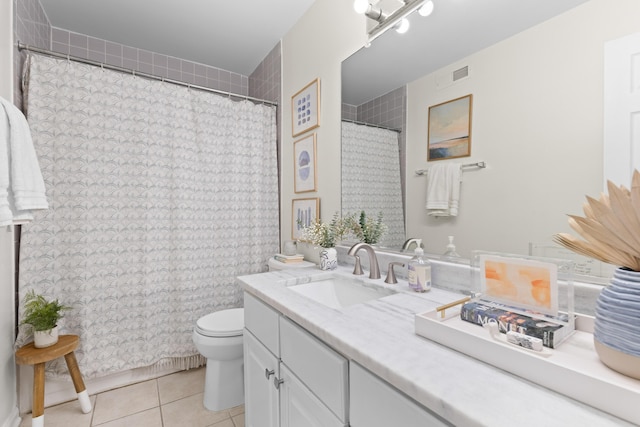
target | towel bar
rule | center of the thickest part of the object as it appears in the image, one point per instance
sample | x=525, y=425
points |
x=466, y=165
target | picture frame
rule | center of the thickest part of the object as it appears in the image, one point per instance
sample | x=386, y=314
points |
x=525, y=283
x=305, y=108
x=449, y=133
x=304, y=161
x=303, y=213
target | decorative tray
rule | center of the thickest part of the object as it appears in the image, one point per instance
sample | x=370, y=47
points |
x=573, y=369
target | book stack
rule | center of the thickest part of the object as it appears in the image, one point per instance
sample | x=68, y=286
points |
x=551, y=332
x=289, y=259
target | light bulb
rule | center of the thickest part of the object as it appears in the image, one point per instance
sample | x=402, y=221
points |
x=402, y=26
x=426, y=9
x=361, y=6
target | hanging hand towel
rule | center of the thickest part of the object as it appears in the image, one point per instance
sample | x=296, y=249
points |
x=443, y=189
x=21, y=185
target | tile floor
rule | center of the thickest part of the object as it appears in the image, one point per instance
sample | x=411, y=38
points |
x=171, y=401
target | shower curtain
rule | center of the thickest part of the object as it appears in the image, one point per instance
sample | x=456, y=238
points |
x=159, y=197
x=371, y=177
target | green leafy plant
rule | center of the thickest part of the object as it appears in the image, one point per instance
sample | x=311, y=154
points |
x=324, y=234
x=40, y=313
x=365, y=228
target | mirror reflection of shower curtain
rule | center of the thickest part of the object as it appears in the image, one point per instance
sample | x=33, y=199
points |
x=159, y=197
x=371, y=177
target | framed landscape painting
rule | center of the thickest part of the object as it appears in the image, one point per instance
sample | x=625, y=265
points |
x=450, y=129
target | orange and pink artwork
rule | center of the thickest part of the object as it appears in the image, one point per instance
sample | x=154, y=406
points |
x=522, y=283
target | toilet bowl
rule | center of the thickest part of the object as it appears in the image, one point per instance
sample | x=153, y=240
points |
x=218, y=337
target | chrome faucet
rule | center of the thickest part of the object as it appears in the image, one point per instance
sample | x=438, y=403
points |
x=409, y=242
x=374, y=270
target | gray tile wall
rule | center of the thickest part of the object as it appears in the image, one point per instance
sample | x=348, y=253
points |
x=144, y=61
x=32, y=28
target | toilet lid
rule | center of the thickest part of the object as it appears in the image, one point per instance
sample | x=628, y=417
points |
x=224, y=323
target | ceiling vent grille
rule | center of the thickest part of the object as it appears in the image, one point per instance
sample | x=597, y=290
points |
x=461, y=73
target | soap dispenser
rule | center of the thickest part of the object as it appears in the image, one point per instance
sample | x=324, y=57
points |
x=451, y=249
x=419, y=272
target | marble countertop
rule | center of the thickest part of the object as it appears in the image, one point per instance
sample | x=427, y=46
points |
x=380, y=335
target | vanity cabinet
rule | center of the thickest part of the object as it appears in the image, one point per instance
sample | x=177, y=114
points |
x=375, y=403
x=291, y=378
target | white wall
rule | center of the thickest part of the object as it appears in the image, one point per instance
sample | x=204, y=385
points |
x=328, y=33
x=8, y=399
x=537, y=122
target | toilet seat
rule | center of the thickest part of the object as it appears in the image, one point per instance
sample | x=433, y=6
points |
x=224, y=323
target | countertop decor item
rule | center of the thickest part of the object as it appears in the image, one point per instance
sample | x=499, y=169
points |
x=366, y=228
x=326, y=235
x=611, y=229
x=42, y=316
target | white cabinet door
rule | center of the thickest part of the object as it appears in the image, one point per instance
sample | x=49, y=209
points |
x=299, y=407
x=260, y=393
x=374, y=403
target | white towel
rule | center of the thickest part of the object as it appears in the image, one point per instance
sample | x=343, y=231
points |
x=21, y=185
x=443, y=189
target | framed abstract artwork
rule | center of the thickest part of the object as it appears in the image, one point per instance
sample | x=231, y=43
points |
x=450, y=129
x=303, y=213
x=304, y=158
x=305, y=108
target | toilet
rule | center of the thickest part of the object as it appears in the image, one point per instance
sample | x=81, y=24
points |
x=218, y=337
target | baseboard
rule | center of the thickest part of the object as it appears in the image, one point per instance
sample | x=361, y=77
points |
x=13, y=420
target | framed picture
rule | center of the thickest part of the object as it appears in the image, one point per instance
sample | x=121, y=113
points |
x=305, y=108
x=450, y=129
x=303, y=213
x=304, y=158
x=524, y=283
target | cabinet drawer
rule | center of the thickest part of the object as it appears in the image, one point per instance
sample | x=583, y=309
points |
x=375, y=403
x=262, y=321
x=319, y=367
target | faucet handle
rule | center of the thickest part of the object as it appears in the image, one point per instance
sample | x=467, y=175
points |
x=391, y=276
x=358, y=268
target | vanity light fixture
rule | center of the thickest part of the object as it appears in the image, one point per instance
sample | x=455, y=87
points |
x=397, y=19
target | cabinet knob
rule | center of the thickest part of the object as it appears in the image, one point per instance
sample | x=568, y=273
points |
x=268, y=372
x=276, y=382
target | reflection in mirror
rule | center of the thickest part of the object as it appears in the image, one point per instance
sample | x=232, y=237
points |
x=371, y=177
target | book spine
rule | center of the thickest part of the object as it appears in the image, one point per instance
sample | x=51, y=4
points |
x=551, y=334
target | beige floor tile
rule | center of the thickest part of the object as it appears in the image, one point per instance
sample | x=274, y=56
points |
x=181, y=384
x=225, y=423
x=63, y=415
x=191, y=412
x=236, y=410
x=238, y=420
x=125, y=401
x=148, y=418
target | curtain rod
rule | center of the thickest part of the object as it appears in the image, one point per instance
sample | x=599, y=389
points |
x=372, y=125
x=22, y=46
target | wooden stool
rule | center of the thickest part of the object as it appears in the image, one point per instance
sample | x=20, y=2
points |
x=30, y=355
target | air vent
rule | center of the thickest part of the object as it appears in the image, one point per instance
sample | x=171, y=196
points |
x=461, y=73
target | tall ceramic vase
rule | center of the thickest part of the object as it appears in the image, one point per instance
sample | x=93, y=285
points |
x=328, y=259
x=617, y=323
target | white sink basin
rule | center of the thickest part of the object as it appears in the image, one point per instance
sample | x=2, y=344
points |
x=339, y=292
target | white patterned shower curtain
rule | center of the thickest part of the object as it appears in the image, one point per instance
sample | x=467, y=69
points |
x=159, y=197
x=371, y=177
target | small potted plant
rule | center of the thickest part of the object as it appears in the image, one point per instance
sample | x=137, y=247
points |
x=42, y=316
x=325, y=235
x=366, y=228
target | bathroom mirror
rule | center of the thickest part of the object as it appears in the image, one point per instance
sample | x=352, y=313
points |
x=454, y=32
